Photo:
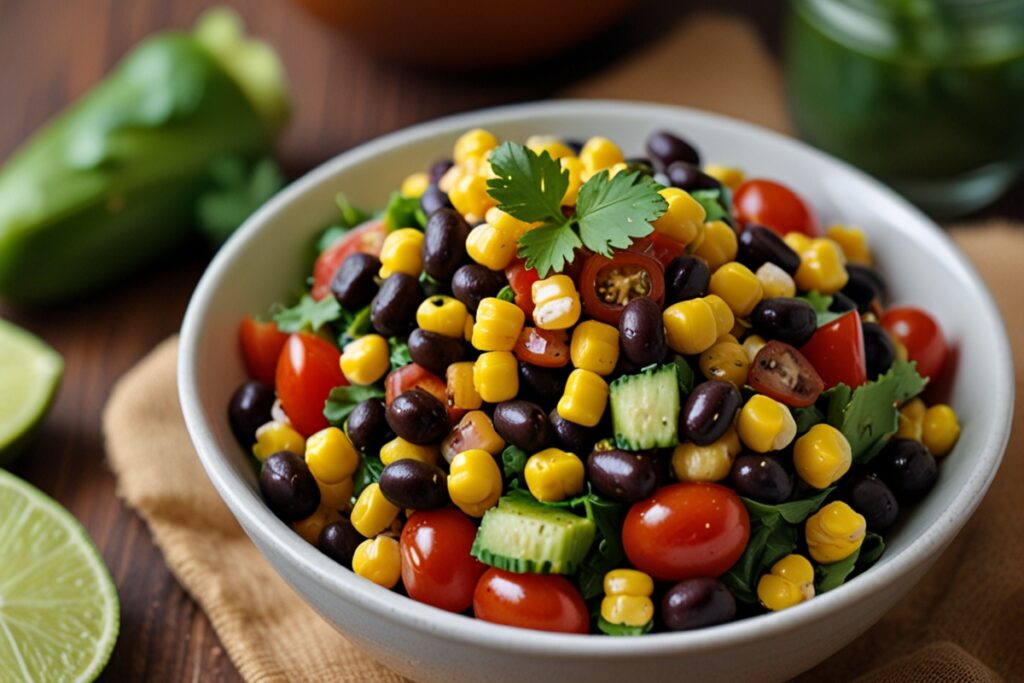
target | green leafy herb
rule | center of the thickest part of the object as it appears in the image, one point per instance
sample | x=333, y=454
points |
x=829, y=576
x=399, y=352
x=821, y=304
x=329, y=236
x=355, y=325
x=350, y=215
x=403, y=212
x=506, y=293
x=549, y=247
x=612, y=211
x=610, y=629
x=713, y=203
x=309, y=314
x=368, y=472
x=870, y=550
x=684, y=373
x=239, y=189
x=343, y=400
x=528, y=186
x=793, y=511
x=806, y=418
x=513, y=462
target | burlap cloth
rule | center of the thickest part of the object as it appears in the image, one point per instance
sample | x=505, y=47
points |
x=962, y=623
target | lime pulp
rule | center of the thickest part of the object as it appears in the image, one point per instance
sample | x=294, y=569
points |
x=30, y=372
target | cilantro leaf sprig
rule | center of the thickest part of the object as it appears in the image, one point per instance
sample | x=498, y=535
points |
x=610, y=211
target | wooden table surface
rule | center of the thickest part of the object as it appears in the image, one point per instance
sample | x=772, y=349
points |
x=52, y=51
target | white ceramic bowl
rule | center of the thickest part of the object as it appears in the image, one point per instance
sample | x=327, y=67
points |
x=264, y=260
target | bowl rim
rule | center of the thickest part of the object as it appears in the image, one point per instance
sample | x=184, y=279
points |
x=259, y=522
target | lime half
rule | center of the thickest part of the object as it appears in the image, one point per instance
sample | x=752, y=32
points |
x=59, y=613
x=30, y=373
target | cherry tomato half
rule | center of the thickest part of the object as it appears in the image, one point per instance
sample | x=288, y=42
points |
x=837, y=352
x=608, y=284
x=921, y=336
x=413, y=375
x=306, y=372
x=367, y=238
x=686, y=530
x=521, y=279
x=774, y=206
x=660, y=246
x=546, y=348
x=544, y=602
x=261, y=347
x=436, y=565
x=781, y=372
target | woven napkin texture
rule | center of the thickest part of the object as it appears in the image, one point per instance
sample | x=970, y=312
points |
x=960, y=624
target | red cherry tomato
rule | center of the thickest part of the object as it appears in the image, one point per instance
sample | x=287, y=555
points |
x=781, y=372
x=774, y=206
x=521, y=279
x=686, y=530
x=661, y=247
x=261, y=347
x=436, y=565
x=608, y=284
x=921, y=336
x=545, y=602
x=546, y=348
x=367, y=238
x=306, y=372
x=413, y=375
x=837, y=352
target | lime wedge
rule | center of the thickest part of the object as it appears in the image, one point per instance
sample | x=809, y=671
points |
x=59, y=613
x=30, y=373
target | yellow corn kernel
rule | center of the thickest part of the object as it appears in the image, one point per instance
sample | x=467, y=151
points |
x=725, y=320
x=627, y=610
x=940, y=429
x=822, y=456
x=366, y=359
x=790, y=582
x=310, y=527
x=738, y=287
x=496, y=376
x=713, y=462
x=556, y=303
x=595, y=347
x=553, y=475
x=730, y=176
x=336, y=496
x=473, y=144
x=628, y=582
x=719, y=245
x=460, y=388
x=911, y=424
x=474, y=482
x=400, y=449
x=273, y=437
x=616, y=169
x=739, y=330
x=475, y=431
x=853, y=242
x=752, y=344
x=555, y=148
x=599, y=153
x=684, y=217
x=379, y=560
x=822, y=267
x=585, y=398
x=330, y=456
x=467, y=329
x=491, y=246
x=414, y=185
x=690, y=326
x=372, y=513
x=834, y=532
x=575, y=168
x=402, y=252
x=775, y=281
x=508, y=224
x=727, y=361
x=497, y=326
x=766, y=425
x=797, y=241
x=469, y=196
x=443, y=315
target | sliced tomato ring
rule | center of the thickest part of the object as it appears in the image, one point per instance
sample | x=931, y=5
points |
x=661, y=247
x=546, y=348
x=608, y=284
x=781, y=372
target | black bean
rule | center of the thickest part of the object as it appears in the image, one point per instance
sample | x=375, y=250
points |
x=288, y=486
x=541, y=385
x=414, y=485
x=338, y=541
x=572, y=437
x=762, y=478
x=473, y=283
x=367, y=426
x=686, y=277
x=575, y=145
x=792, y=321
x=625, y=477
x=434, y=199
x=868, y=495
x=642, y=332
x=842, y=303
x=435, y=351
x=444, y=244
x=522, y=424
x=696, y=603
x=688, y=177
x=709, y=411
x=438, y=169
x=907, y=467
x=864, y=286
x=418, y=417
x=354, y=283
x=759, y=245
x=879, y=352
x=249, y=409
x=393, y=311
x=665, y=148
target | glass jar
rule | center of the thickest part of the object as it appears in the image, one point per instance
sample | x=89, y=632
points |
x=926, y=95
